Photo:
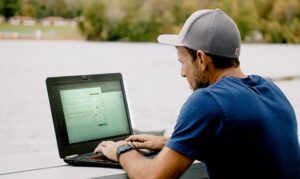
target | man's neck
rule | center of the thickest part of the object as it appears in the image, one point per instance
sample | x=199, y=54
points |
x=219, y=74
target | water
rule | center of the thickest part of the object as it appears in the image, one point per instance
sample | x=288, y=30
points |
x=151, y=71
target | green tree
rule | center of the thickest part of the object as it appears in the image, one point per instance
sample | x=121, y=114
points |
x=27, y=9
x=279, y=21
x=44, y=8
x=243, y=13
x=151, y=18
x=130, y=20
x=94, y=20
x=9, y=8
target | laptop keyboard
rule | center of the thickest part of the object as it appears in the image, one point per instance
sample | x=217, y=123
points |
x=92, y=157
x=100, y=158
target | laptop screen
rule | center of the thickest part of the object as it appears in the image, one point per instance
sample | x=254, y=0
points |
x=93, y=110
x=86, y=110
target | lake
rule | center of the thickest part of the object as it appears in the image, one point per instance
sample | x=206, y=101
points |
x=155, y=89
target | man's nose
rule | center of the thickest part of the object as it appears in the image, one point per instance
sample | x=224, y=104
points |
x=182, y=73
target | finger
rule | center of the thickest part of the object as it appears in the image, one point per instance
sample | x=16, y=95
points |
x=128, y=139
x=137, y=138
x=102, y=144
x=141, y=145
x=131, y=138
x=98, y=149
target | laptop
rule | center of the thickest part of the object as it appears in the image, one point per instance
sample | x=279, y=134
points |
x=87, y=110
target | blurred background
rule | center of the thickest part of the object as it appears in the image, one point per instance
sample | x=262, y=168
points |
x=42, y=38
x=271, y=21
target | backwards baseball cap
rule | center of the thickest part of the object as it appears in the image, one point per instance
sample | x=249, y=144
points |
x=212, y=31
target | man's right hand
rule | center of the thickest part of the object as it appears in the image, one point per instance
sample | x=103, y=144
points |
x=146, y=141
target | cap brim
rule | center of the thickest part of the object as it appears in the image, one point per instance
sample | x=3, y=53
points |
x=169, y=39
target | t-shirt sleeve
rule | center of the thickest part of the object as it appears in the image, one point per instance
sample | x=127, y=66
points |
x=198, y=125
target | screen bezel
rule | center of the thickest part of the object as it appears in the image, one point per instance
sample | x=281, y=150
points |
x=53, y=83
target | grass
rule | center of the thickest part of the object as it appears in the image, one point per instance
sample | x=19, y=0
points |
x=47, y=32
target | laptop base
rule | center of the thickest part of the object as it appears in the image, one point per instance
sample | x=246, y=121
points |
x=93, y=164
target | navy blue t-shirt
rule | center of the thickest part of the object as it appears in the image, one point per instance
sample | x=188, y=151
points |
x=240, y=128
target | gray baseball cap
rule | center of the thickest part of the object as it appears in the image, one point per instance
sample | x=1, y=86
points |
x=212, y=31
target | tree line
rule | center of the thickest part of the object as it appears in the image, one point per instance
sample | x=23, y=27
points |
x=41, y=8
x=275, y=21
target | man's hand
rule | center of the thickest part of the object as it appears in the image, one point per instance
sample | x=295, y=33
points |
x=146, y=141
x=109, y=148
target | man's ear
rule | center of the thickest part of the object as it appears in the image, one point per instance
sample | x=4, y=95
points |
x=202, y=59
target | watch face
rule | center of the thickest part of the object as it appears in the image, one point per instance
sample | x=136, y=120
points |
x=123, y=149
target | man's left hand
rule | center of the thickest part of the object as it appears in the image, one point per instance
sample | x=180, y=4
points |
x=109, y=148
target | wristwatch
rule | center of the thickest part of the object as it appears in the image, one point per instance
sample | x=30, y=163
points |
x=122, y=149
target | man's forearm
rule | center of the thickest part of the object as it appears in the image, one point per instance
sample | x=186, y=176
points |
x=136, y=165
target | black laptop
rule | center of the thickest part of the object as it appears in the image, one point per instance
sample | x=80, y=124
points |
x=86, y=110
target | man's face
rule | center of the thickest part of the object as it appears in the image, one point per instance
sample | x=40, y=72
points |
x=190, y=68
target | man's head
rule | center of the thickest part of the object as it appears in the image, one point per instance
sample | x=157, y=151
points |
x=200, y=67
x=208, y=40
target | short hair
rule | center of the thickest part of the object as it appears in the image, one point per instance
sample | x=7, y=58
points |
x=218, y=61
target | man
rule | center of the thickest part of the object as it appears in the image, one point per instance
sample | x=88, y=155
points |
x=240, y=126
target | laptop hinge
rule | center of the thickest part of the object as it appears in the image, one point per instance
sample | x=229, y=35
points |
x=71, y=156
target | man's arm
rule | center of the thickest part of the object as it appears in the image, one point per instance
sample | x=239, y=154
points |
x=167, y=164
